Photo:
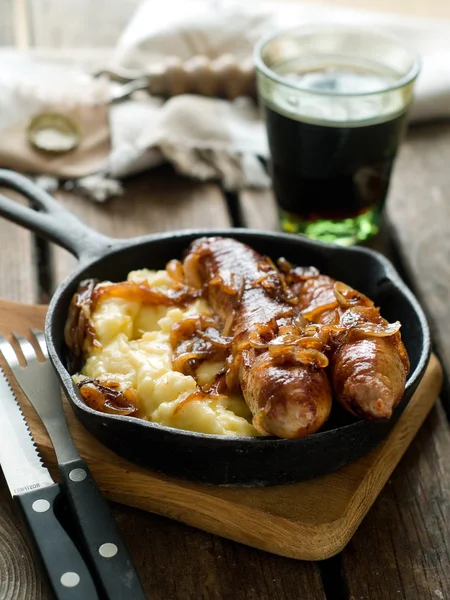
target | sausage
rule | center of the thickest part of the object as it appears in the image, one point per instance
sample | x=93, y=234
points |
x=278, y=366
x=368, y=360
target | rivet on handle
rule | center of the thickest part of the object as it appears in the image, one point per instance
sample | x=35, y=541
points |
x=77, y=474
x=70, y=579
x=40, y=505
x=108, y=550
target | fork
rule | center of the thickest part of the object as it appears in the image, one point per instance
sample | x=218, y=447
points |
x=100, y=539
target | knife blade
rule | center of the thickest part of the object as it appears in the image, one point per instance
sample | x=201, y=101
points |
x=20, y=460
x=38, y=496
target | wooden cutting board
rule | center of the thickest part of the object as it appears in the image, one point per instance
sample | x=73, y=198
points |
x=311, y=520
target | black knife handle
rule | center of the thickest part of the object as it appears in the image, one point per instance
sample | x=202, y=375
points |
x=101, y=541
x=66, y=570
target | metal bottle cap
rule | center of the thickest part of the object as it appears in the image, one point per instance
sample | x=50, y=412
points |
x=54, y=133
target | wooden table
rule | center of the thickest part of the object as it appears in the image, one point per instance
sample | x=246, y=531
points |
x=401, y=550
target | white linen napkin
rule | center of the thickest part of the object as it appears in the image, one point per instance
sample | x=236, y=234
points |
x=209, y=138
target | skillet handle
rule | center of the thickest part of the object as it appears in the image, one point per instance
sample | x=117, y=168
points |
x=49, y=219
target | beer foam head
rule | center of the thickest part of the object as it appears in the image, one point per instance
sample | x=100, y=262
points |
x=340, y=95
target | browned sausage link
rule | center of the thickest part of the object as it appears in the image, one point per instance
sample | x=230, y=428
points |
x=368, y=372
x=279, y=369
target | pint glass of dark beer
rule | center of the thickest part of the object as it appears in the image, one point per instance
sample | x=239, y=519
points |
x=335, y=100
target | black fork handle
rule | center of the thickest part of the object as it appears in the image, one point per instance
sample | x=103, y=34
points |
x=49, y=219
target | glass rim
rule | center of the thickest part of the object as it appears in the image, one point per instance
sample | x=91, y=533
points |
x=404, y=80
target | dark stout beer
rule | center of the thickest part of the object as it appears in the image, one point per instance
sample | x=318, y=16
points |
x=332, y=154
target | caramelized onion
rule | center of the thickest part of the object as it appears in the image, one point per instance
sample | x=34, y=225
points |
x=175, y=270
x=296, y=274
x=284, y=265
x=314, y=314
x=143, y=293
x=332, y=329
x=191, y=270
x=228, y=325
x=108, y=398
x=314, y=342
x=300, y=321
x=347, y=296
x=258, y=338
x=186, y=362
x=285, y=339
x=78, y=324
x=218, y=386
x=196, y=339
x=379, y=329
x=186, y=328
x=292, y=341
x=273, y=282
x=233, y=285
x=298, y=354
x=366, y=320
x=267, y=264
x=211, y=391
x=199, y=394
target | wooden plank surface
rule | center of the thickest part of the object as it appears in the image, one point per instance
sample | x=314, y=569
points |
x=155, y=201
x=407, y=527
x=18, y=261
x=259, y=210
x=402, y=549
x=419, y=210
x=183, y=563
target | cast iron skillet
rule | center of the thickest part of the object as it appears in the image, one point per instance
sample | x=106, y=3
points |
x=210, y=458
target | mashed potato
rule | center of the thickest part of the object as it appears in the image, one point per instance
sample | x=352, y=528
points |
x=136, y=353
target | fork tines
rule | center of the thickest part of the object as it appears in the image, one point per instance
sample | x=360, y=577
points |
x=27, y=349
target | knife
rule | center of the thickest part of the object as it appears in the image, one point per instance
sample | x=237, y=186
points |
x=38, y=497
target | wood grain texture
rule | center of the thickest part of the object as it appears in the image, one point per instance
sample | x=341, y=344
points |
x=179, y=562
x=19, y=577
x=259, y=210
x=158, y=200
x=402, y=549
x=419, y=211
x=18, y=273
x=297, y=521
